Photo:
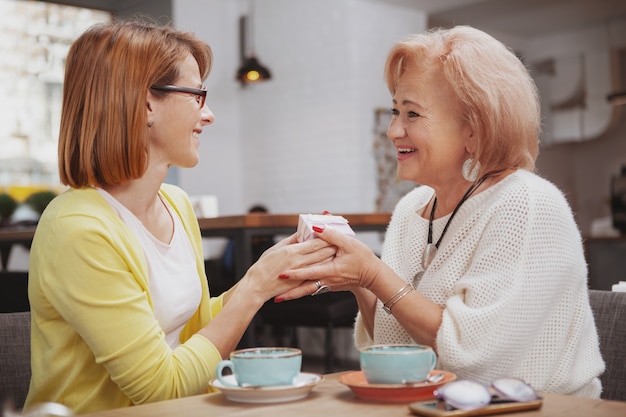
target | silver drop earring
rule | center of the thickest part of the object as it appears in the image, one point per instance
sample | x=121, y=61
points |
x=470, y=174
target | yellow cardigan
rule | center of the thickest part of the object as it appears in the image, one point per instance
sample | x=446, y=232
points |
x=96, y=343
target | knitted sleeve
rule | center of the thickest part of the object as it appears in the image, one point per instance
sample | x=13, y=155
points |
x=511, y=276
x=519, y=306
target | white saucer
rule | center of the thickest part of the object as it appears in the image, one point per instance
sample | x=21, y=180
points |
x=304, y=384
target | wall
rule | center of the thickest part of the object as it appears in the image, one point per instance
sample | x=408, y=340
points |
x=301, y=142
x=583, y=165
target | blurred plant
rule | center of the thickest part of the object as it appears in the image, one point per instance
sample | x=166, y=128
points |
x=39, y=200
x=7, y=207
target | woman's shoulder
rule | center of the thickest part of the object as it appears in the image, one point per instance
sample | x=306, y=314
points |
x=525, y=192
x=74, y=214
x=533, y=179
x=77, y=202
x=533, y=186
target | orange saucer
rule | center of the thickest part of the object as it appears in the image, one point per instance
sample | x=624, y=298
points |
x=356, y=381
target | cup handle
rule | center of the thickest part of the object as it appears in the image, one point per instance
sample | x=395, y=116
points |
x=433, y=360
x=225, y=364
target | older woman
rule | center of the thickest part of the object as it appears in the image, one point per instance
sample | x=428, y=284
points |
x=121, y=311
x=484, y=261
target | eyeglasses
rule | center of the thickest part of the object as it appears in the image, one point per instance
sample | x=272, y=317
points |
x=470, y=395
x=200, y=93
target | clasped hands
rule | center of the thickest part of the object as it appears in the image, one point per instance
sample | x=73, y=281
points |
x=353, y=265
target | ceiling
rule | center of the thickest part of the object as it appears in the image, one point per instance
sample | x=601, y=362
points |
x=530, y=18
x=525, y=18
x=106, y=5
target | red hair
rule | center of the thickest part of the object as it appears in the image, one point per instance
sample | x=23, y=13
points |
x=108, y=72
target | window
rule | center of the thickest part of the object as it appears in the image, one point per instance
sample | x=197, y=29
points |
x=35, y=37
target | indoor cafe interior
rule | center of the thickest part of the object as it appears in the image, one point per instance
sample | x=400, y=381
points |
x=301, y=115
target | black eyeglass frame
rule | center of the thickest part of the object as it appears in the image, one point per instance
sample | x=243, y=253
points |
x=198, y=92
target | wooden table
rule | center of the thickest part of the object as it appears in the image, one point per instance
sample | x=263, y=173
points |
x=10, y=236
x=244, y=227
x=332, y=398
x=241, y=228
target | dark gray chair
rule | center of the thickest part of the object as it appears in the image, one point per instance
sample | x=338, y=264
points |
x=609, y=311
x=329, y=311
x=14, y=357
x=13, y=291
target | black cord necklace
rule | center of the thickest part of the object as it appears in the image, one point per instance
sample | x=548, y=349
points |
x=431, y=249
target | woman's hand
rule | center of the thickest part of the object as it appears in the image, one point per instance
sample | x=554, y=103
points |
x=262, y=278
x=353, y=266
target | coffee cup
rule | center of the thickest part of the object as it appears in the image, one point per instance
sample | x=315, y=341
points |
x=261, y=367
x=397, y=363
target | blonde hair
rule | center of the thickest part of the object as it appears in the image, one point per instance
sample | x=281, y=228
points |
x=498, y=95
x=108, y=72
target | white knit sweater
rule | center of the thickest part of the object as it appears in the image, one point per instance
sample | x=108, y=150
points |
x=512, y=278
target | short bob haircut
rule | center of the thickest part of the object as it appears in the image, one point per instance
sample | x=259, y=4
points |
x=499, y=98
x=108, y=72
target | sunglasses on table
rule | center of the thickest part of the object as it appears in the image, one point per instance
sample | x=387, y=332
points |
x=470, y=395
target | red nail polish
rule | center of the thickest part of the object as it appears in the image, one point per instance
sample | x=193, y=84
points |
x=325, y=212
x=318, y=229
x=283, y=276
x=278, y=299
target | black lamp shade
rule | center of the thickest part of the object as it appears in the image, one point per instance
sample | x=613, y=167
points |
x=252, y=71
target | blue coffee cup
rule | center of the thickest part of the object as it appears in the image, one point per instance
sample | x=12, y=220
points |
x=397, y=363
x=261, y=367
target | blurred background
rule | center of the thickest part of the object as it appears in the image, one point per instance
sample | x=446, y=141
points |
x=312, y=136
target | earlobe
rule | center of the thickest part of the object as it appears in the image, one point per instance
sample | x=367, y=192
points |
x=149, y=108
x=470, y=141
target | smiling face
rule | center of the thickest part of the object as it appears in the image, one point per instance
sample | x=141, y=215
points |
x=177, y=121
x=428, y=130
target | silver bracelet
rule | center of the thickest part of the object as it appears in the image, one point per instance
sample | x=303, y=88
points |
x=395, y=294
x=388, y=308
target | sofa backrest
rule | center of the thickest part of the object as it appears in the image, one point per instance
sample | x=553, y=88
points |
x=14, y=357
x=609, y=311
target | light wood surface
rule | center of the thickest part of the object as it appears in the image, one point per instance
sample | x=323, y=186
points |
x=262, y=220
x=17, y=234
x=332, y=398
x=370, y=221
x=240, y=227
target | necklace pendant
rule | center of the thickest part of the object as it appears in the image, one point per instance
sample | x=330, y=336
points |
x=429, y=254
x=417, y=278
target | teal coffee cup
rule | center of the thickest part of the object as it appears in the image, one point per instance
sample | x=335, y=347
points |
x=397, y=364
x=261, y=367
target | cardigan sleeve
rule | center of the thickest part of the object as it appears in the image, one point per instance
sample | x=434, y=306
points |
x=93, y=299
x=102, y=294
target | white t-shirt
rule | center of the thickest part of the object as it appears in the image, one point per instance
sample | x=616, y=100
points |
x=174, y=282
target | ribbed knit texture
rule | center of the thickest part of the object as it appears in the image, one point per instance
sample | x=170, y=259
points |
x=512, y=277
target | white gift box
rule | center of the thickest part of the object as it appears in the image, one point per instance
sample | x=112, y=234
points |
x=326, y=221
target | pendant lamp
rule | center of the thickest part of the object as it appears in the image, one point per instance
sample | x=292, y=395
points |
x=251, y=70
